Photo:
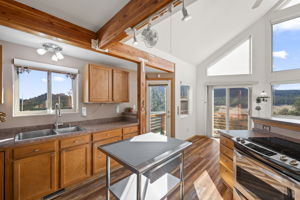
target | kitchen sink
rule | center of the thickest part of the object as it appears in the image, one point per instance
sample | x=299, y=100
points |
x=34, y=134
x=69, y=129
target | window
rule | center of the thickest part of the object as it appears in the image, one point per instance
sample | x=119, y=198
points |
x=184, y=100
x=290, y=4
x=286, y=99
x=237, y=62
x=37, y=91
x=286, y=45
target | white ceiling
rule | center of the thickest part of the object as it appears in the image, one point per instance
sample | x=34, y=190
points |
x=26, y=39
x=213, y=23
x=90, y=14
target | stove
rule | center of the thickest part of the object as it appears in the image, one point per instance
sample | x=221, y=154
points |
x=278, y=153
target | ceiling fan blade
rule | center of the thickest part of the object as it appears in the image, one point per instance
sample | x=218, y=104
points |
x=257, y=4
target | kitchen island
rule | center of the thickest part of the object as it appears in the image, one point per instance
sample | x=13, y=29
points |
x=150, y=157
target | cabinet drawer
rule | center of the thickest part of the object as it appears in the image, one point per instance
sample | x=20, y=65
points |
x=227, y=142
x=22, y=152
x=129, y=135
x=225, y=150
x=227, y=162
x=226, y=175
x=131, y=129
x=107, y=134
x=70, y=142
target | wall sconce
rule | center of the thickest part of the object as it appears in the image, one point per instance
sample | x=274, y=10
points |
x=263, y=97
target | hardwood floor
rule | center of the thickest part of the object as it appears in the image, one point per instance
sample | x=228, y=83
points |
x=202, y=179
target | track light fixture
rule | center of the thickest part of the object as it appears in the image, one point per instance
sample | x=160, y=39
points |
x=185, y=13
x=135, y=41
x=53, y=48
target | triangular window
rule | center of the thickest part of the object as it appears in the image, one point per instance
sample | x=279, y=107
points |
x=236, y=62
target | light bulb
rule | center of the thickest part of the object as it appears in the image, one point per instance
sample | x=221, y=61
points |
x=59, y=55
x=54, y=58
x=41, y=51
x=135, y=42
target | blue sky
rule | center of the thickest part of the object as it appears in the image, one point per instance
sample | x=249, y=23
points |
x=35, y=84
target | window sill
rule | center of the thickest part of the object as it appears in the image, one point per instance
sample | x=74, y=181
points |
x=184, y=116
x=42, y=114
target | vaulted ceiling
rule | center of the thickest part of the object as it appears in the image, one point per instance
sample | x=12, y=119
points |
x=214, y=22
x=90, y=14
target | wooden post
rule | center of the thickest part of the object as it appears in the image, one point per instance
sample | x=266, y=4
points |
x=1, y=76
x=142, y=96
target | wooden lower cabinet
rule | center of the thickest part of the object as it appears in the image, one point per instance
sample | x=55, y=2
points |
x=1, y=175
x=99, y=158
x=35, y=176
x=226, y=160
x=75, y=164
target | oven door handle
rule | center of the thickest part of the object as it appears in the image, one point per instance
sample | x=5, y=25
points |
x=291, y=183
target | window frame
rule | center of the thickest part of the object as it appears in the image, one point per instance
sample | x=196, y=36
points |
x=49, y=110
x=228, y=51
x=277, y=18
x=188, y=101
x=272, y=98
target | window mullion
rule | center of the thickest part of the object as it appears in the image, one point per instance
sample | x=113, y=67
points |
x=49, y=94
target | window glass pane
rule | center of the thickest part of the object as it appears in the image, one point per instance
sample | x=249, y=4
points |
x=238, y=109
x=62, y=87
x=158, y=98
x=286, y=45
x=219, y=115
x=33, y=90
x=286, y=99
x=291, y=3
x=235, y=63
x=184, y=99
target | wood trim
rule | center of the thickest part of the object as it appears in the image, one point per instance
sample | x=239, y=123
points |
x=1, y=75
x=130, y=53
x=25, y=18
x=130, y=15
x=173, y=105
x=142, y=97
x=277, y=124
x=2, y=175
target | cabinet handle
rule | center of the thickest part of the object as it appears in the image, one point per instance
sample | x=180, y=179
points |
x=36, y=150
x=75, y=141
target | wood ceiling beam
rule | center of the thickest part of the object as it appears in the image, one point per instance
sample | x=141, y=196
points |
x=130, y=15
x=25, y=18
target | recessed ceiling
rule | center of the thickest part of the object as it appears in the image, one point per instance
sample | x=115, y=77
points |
x=90, y=14
x=29, y=40
x=213, y=24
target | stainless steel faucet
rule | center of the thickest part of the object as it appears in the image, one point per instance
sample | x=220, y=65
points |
x=58, y=115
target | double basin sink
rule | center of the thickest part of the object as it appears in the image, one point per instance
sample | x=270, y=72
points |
x=46, y=133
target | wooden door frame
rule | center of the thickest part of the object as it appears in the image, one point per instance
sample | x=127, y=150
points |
x=173, y=107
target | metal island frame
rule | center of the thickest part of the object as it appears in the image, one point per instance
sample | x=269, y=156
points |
x=150, y=158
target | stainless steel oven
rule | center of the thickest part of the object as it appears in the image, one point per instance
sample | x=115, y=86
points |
x=256, y=180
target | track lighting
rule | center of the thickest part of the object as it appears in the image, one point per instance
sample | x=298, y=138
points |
x=135, y=41
x=53, y=48
x=185, y=13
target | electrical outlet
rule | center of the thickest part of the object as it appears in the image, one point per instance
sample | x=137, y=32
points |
x=83, y=111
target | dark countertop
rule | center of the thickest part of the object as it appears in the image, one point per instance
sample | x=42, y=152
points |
x=293, y=122
x=242, y=133
x=7, y=138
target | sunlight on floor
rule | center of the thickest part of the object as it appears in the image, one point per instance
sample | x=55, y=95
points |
x=205, y=188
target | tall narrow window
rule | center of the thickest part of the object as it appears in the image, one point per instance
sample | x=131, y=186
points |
x=184, y=100
x=236, y=62
x=286, y=45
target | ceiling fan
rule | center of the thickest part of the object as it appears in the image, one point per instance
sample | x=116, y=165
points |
x=257, y=4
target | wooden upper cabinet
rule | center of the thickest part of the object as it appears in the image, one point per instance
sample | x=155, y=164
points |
x=1, y=175
x=105, y=85
x=35, y=176
x=120, y=86
x=97, y=85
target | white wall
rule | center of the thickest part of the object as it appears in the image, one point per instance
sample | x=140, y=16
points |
x=94, y=111
x=261, y=76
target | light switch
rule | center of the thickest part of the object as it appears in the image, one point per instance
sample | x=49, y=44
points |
x=83, y=111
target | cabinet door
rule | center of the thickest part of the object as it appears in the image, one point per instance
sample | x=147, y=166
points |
x=75, y=164
x=35, y=176
x=100, y=84
x=99, y=158
x=120, y=86
x=1, y=175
